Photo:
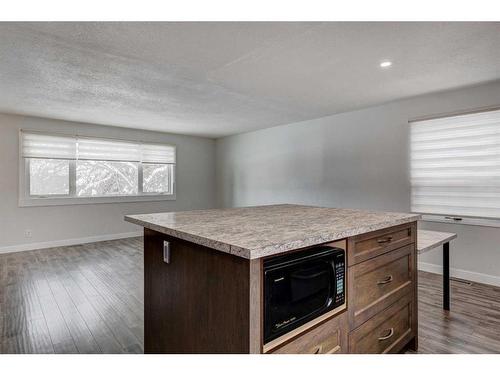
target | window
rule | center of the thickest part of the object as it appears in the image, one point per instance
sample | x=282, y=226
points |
x=455, y=166
x=101, y=178
x=49, y=177
x=61, y=169
x=156, y=177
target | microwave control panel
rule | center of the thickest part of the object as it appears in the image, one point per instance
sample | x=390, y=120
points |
x=339, y=282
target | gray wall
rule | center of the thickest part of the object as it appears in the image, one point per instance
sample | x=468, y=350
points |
x=195, y=186
x=357, y=159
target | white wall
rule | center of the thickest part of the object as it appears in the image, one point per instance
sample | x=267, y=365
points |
x=195, y=187
x=357, y=159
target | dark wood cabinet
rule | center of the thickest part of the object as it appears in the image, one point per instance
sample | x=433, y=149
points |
x=382, y=290
x=208, y=301
x=203, y=301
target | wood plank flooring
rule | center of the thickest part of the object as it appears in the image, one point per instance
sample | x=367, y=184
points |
x=89, y=299
x=74, y=299
x=472, y=325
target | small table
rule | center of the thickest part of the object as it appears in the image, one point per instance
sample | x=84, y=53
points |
x=428, y=240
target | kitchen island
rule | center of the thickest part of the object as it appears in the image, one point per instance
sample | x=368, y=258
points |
x=204, y=272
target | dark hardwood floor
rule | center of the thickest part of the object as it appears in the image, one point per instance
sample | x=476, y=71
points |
x=473, y=324
x=89, y=299
x=75, y=299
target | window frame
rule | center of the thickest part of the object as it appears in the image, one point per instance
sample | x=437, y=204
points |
x=462, y=220
x=28, y=200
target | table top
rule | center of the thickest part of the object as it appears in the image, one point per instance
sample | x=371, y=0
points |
x=430, y=239
x=255, y=232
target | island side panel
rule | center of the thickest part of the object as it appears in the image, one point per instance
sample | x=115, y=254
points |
x=256, y=307
x=201, y=301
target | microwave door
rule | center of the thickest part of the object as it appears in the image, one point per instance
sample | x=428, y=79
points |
x=300, y=293
x=299, y=290
x=312, y=284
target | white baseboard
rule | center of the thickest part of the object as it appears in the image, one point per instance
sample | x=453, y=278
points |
x=67, y=242
x=461, y=274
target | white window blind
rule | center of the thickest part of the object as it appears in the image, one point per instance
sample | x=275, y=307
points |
x=47, y=146
x=156, y=153
x=455, y=165
x=110, y=150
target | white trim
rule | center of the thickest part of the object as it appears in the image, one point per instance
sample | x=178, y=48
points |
x=67, y=242
x=461, y=274
x=462, y=220
x=457, y=113
x=62, y=201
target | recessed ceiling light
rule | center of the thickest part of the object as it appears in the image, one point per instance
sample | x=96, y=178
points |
x=385, y=64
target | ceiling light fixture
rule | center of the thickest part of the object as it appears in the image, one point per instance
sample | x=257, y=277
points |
x=385, y=64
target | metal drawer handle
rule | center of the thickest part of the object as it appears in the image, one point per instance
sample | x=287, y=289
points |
x=385, y=240
x=387, y=280
x=319, y=349
x=388, y=336
x=166, y=252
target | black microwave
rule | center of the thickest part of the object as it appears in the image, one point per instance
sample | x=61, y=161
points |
x=300, y=287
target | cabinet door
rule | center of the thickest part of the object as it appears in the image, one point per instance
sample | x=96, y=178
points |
x=387, y=332
x=329, y=337
x=373, y=244
x=379, y=282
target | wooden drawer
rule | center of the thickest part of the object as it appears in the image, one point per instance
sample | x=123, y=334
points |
x=370, y=245
x=329, y=337
x=378, y=283
x=387, y=332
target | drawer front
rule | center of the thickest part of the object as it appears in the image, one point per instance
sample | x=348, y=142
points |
x=370, y=245
x=376, y=284
x=387, y=332
x=329, y=337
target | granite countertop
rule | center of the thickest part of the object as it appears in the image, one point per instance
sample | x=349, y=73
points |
x=255, y=232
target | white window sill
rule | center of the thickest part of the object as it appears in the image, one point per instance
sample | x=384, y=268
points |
x=63, y=201
x=484, y=222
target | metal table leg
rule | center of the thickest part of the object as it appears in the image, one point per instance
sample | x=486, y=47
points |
x=446, y=276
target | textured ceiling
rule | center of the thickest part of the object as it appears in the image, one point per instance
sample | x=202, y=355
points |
x=216, y=79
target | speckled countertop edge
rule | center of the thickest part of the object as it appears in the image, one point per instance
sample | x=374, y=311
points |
x=217, y=245
x=278, y=247
x=314, y=240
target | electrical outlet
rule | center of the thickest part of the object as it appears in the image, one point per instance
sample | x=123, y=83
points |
x=27, y=233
